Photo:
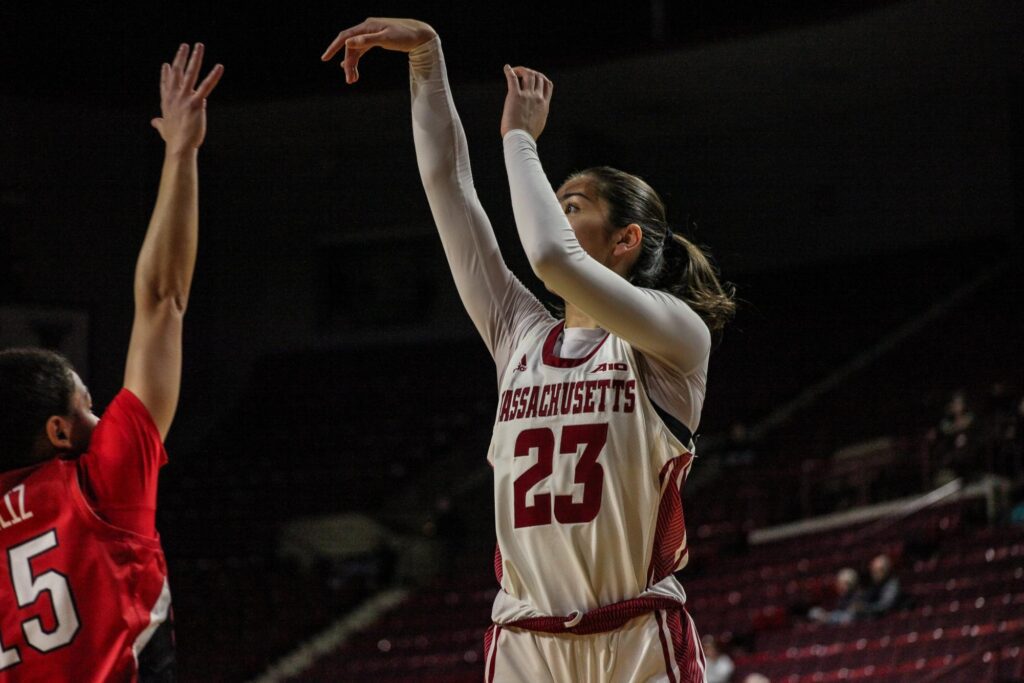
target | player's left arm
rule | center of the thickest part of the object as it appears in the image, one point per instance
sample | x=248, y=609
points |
x=654, y=322
x=163, y=272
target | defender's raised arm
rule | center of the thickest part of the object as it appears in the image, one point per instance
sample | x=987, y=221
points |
x=163, y=273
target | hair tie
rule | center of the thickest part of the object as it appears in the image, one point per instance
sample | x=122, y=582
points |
x=668, y=237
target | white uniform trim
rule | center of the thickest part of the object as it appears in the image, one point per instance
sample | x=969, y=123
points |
x=157, y=616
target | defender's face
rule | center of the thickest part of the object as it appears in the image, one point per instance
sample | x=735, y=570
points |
x=83, y=420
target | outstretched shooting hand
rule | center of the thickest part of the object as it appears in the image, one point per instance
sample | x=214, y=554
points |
x=400, y=35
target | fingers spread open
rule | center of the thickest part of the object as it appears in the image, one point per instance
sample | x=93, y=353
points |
x=211, y=80
x=180, y=57
x=194, y=63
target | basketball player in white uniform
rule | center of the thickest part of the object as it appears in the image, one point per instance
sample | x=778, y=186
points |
x=592, y=437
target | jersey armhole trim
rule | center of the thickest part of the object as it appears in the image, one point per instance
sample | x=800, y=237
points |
x=91, y=517
x=672, y=424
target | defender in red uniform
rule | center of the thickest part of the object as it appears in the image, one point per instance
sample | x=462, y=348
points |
x=83, y=580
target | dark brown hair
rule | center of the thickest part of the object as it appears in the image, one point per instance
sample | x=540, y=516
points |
x=668, y=261
x=35, y=384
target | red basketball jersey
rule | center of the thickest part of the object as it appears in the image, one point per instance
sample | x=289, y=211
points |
x=80, y=597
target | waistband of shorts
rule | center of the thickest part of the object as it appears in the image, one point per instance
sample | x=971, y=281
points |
x=599, y=620
x=521, y=613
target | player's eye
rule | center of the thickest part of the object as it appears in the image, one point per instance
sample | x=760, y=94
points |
x=570, y=207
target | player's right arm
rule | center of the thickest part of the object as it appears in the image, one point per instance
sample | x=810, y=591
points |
x=499, y=305
x=163, y=272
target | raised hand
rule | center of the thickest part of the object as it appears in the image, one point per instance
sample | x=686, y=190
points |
x=183, y=104
x=527, y=101
x=400, y=35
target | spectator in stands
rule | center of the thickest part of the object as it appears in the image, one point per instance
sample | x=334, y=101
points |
x=884, y=593
x=756, y=678
x=953, y=453
x=739, y=447
x=957, y=417
x=847, y=590
x=1000, y=401
x=1008, y=448
x=1017, y=503
x=719, y=666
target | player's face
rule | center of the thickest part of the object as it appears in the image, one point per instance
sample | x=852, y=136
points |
x=83, y=420
x=587, y=213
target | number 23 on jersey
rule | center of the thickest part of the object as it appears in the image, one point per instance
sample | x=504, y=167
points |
x=560, y=507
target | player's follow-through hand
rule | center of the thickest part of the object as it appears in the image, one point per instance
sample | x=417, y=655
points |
x=183, y=104
x=400, y=35
x=527, y=101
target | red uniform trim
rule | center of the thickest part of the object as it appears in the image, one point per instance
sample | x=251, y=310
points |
x=689, y=653
x=664, y=648
x=555, y=361
x=491, y=649
x=600, y=620
x=498, y=572
x=670, y=534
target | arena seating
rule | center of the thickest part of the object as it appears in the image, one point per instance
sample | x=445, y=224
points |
x=359, y=430
x=966, y=602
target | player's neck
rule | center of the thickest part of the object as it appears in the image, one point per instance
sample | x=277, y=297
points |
x=574, y=317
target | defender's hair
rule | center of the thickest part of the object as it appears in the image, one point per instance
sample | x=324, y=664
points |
x=35, y=384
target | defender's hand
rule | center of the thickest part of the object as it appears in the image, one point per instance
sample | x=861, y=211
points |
x=182, y=103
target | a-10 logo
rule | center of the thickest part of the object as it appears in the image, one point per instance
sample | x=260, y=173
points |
x=610, y=367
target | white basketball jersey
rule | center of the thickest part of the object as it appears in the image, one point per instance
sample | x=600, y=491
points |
x=586, y=479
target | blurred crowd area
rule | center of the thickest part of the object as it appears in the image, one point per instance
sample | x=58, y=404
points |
x=387, y=443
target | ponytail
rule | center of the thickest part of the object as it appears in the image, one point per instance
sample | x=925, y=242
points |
x=668, y=261
x=689, y=274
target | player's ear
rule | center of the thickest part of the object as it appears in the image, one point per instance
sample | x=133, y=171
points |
x=58, y=432
x=630, y=239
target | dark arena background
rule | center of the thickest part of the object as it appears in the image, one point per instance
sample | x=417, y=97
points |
x=855, y=168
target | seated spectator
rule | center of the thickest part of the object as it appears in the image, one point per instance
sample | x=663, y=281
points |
x=739, y=446
x=719, y=666
x=1009, y=446
x=756, y=678
x=884, y=594
x=955, y=451
x=1000, y=402
x=847, y=590
x=957, y=417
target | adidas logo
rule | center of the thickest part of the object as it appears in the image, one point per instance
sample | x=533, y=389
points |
x=522, y=365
